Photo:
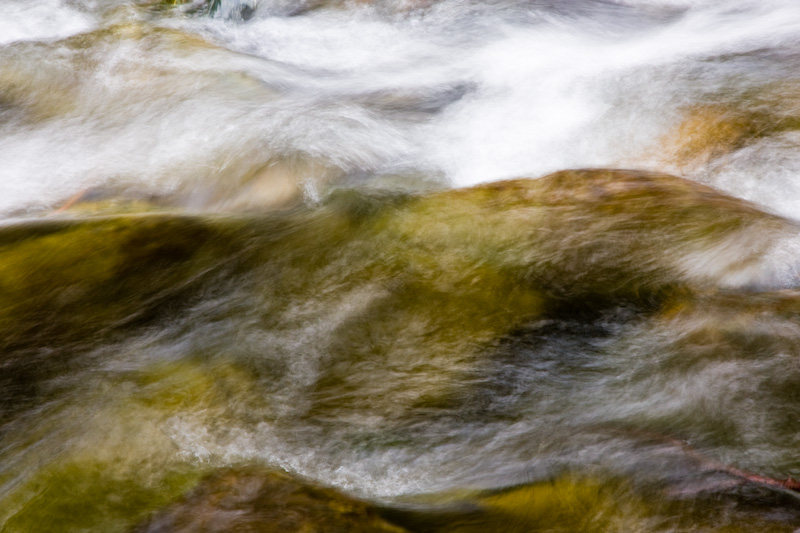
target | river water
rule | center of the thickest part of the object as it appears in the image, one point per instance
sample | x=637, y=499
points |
x=280, y=235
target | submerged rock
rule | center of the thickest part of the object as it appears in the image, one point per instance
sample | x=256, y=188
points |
x=572, y=502
x=726, y=367
x=418, y=285
x=138, y=139
x=121, y=463
x=63, y=279
x=421, y=286
x=613, y=232
x=256, y=499
x=352, y=320
x=259, y=499
x=567, y=503
x=69, y=286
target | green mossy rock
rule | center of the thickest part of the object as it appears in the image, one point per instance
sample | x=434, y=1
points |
x=416, y=285
x=121, y=463
x=597, y=503
x=91, y=496
x=63, y=281
x=613, y=233
x=460, y=268
x=564, y=504
x=368, y=310
x=69, y=286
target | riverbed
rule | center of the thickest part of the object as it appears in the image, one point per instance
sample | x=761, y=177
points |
x=446, y=265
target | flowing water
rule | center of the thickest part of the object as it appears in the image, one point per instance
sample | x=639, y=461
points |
x=245, y=236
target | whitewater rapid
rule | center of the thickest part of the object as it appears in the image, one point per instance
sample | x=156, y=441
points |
x=460, y=92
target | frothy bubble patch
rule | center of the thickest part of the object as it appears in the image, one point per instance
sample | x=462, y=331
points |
x=24, y=20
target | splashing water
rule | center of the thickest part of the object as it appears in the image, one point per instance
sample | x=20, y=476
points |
x=282, y=234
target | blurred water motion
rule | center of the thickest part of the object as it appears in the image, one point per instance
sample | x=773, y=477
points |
x=291, y=266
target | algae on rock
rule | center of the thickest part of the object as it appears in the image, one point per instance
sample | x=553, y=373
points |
x=369, y=310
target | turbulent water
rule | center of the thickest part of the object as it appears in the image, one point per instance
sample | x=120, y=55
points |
x=342, y=240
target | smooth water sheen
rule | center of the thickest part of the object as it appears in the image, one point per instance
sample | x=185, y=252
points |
x=241, y=237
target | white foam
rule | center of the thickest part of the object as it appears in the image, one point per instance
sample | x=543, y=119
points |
x=26, y=20
x=553, y=98
x=537, y=95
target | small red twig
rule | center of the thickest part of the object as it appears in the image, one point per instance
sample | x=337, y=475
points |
x=712, y=464
x=75, y=198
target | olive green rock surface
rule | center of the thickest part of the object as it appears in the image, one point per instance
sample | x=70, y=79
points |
x=528, y=323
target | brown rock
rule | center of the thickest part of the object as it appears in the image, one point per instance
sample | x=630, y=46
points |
x=255, y=500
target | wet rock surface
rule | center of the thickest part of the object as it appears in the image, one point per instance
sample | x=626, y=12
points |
x=261, y=500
